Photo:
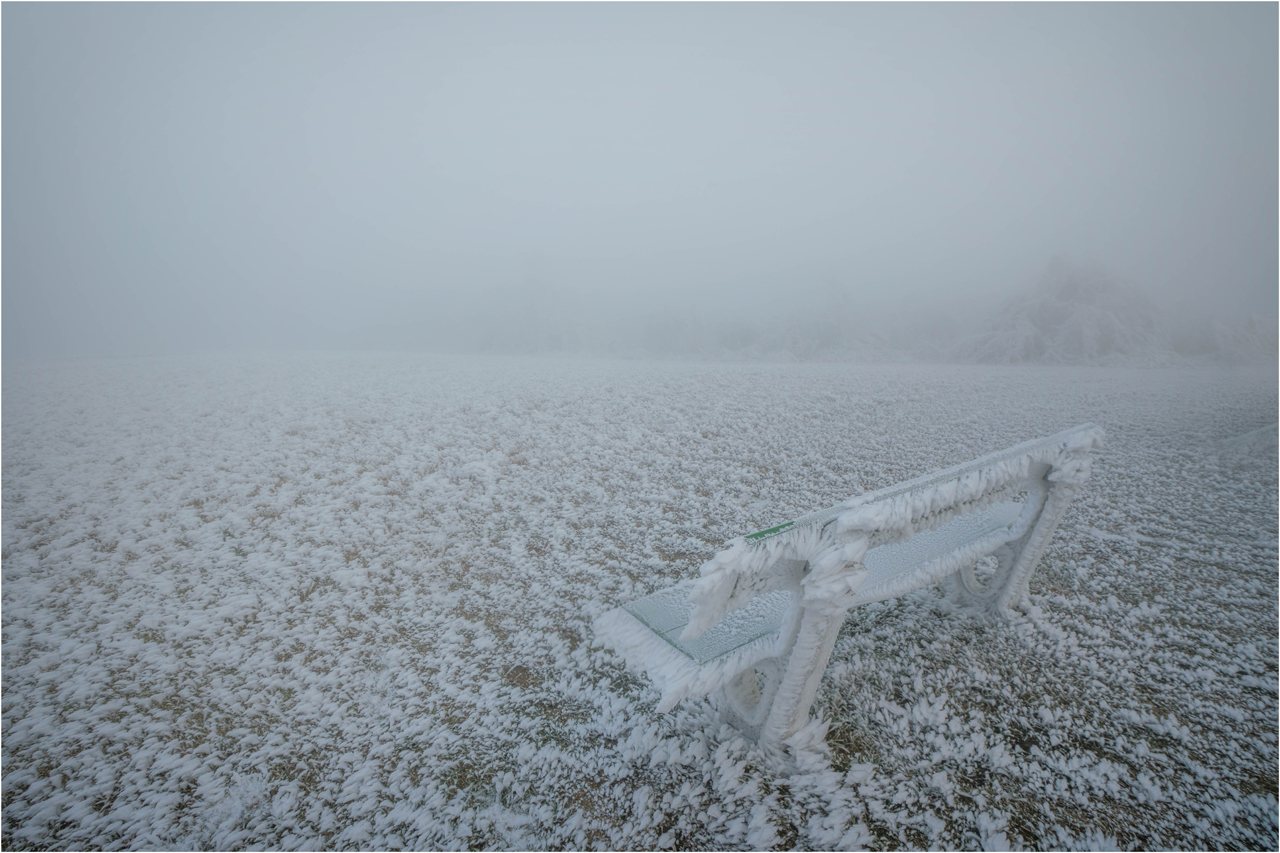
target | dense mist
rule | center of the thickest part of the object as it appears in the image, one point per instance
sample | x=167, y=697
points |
x=811, y=181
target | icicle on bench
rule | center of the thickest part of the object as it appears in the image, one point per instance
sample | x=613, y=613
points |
x=759, y=625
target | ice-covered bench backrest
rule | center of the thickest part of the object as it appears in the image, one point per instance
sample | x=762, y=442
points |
x=818, y=556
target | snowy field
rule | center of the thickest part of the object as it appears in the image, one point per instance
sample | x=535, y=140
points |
x=318, y=601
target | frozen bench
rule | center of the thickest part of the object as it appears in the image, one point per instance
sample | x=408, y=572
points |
x=759, y=625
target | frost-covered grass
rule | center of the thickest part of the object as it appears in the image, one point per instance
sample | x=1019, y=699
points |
x=314, y=601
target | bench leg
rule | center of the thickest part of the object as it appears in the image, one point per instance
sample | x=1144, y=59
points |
x=748, y=698
x=801, y=675
x=770, y=701
x=1016, y=561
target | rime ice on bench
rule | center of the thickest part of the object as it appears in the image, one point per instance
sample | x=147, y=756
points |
x=759, y=625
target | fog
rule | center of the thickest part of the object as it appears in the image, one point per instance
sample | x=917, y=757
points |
x=619, y=178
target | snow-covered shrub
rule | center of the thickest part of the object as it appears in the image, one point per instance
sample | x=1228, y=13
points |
x=1075, y=315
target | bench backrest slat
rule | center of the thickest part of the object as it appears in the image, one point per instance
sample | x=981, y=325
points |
x=955, y=472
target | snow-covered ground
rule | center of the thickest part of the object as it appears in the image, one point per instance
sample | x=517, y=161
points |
x=323, y=600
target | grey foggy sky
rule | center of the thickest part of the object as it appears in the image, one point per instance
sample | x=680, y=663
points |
x=196, y=175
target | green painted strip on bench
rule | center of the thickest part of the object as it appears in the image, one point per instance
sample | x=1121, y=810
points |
x=759, y=534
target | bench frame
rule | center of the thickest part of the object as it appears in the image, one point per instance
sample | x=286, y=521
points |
x=766, y=689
